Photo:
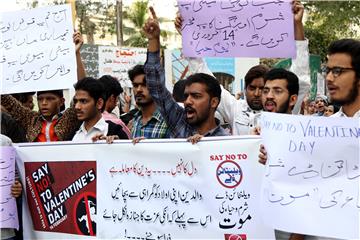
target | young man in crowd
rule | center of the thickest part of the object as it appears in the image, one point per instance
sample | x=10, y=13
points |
x=343, y=76
x=49, y=124
x=280, y=92
x=343, y=82
x=112, y=91
x=148, y=121
x=241, y=114
x=202, y=93
x=280, y=95
x=89, y=104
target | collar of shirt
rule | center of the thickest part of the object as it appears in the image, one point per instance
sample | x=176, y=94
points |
x=340, y=113
x=56, y=116
x=217, y=131
x=249, y=109
x=100, y=127
x=156, y=115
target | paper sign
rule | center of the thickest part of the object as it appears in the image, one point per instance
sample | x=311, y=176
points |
x=8, y=210
x=37, y=50
x=90, y=58
x=312, y=179
x=251, y=28
x=117, y=62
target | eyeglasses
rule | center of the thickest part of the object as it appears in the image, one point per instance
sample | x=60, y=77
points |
x=275, y=91
x=336, y=71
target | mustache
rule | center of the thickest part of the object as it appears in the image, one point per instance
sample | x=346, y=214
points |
x=269, y=101
x=139, y=95
x=189, y=109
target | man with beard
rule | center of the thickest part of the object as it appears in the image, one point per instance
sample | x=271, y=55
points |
x=202, y=93
x=343, y=83
x=280, y=92
x=343, y=76
x=147, y=122
x=279, y=96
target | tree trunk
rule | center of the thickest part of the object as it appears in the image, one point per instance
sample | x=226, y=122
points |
x=119, y=23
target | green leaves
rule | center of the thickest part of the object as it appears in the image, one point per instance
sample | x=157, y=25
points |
x=331, y=20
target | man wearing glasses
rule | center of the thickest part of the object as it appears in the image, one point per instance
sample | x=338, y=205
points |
x=281, y=91
x=343, y=76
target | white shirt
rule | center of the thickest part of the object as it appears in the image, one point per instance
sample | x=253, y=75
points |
x=82, y=135
x=340, y=113
x=237, y=112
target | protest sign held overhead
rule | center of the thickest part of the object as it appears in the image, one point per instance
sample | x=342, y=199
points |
x=37, y=50
x=220, y=28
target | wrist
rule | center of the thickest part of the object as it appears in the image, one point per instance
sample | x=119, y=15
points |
x=154, y=44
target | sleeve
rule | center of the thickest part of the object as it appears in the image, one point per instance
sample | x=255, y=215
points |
x=227, y=104
x=171, y=111
x=68, y=124
x=301, y=67
x=11, y=129
x=198, y=65
x=115, y=129
x=23, y=115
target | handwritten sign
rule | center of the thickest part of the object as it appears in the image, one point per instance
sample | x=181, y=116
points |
x=117, y=62
x=175, y=191
x=8, y=210
x=90, y=57
x=312, y=169
x=37, y=50
x=223, y=28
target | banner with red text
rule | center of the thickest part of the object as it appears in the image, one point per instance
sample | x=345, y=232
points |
x=156, y=189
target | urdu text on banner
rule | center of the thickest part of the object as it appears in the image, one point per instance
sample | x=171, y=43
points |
x=167, y=189
x=222, y=28
x=37, y=50
x=313, y=169
x=8, y=210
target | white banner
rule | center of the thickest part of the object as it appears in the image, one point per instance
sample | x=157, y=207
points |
x=37, y=50
x=312, y=175
x=167, y=189
x=117, y=62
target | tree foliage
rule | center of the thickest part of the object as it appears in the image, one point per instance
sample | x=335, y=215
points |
x=96, y=17
x=331, y=20
x=135, y=17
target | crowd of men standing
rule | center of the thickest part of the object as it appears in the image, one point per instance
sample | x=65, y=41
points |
x=199, y=100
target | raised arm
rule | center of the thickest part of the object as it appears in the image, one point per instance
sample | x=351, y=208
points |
x=300, y=65
x=155, y=80
x=23, y=115
x=228, y=103
x=78, y=41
